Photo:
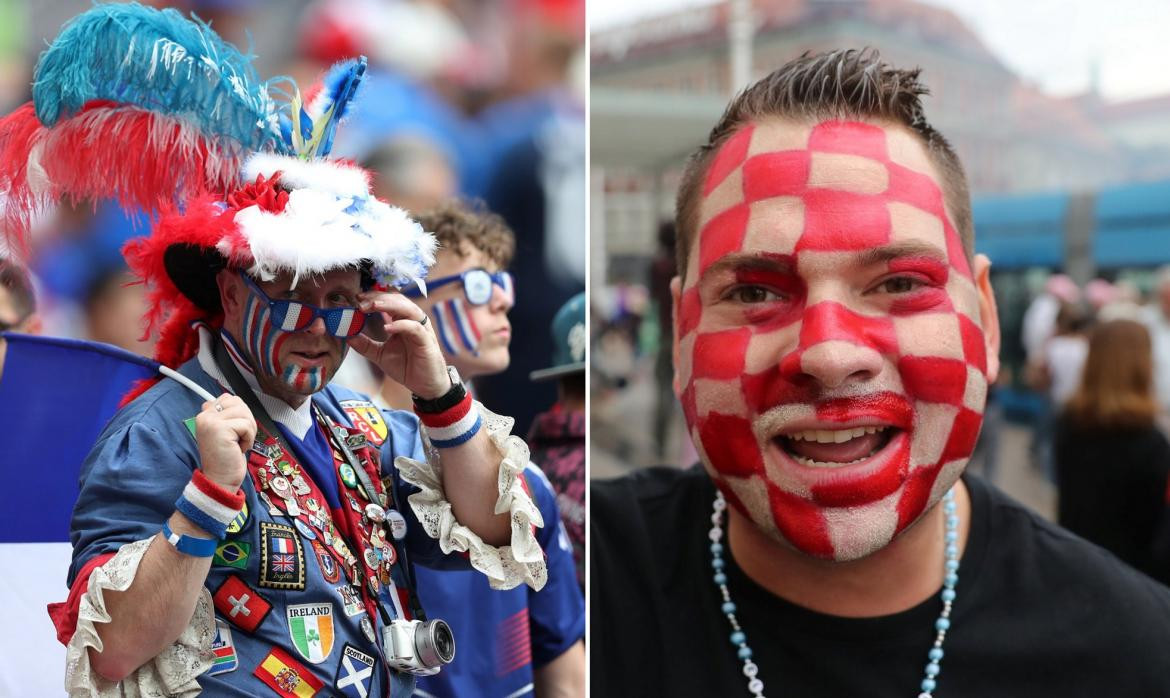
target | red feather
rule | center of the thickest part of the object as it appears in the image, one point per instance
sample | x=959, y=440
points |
x=202, y=223
x=19, y=131
x=139, y=158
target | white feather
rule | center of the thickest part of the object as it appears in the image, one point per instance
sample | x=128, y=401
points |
x=319, y=231
x=320, y=175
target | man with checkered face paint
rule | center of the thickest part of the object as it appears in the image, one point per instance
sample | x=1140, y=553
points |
x=835, y=336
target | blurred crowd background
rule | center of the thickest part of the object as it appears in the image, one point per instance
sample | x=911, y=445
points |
x=477, y=99
x=1066, y=147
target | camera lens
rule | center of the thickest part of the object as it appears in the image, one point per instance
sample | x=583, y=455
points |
x=434, y=643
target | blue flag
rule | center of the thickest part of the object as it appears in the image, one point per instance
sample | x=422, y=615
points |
x=56, y=395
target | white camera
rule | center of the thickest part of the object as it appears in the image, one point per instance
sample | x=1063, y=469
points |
x=418, y=647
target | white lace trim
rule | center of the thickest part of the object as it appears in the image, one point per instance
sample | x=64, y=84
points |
x=507, y=566
x=171, y=673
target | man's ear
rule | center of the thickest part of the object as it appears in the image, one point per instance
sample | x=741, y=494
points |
x=675, y=295
x=988, y=314
x=231, y=292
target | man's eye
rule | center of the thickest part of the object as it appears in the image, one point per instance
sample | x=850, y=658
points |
x=752, y=294
x=899, y=284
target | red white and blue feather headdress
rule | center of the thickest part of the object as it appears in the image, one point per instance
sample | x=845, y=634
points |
x=156, y=111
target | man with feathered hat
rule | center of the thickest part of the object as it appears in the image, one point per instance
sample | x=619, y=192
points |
x=246, y=528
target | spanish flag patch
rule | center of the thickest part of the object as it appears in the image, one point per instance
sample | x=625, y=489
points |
x=287, y=676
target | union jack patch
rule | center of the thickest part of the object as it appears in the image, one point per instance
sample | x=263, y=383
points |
x=282, y=559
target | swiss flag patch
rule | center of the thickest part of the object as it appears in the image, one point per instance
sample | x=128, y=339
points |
x=240, y=604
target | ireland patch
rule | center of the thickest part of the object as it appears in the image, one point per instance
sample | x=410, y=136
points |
x=282, y=559
x=232, y=553
x=311, y=628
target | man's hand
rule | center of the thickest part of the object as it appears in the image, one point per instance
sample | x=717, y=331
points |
x=410, y=353
x=225, y=430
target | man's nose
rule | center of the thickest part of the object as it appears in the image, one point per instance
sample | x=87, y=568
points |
x=317, y=326
x=837, y=347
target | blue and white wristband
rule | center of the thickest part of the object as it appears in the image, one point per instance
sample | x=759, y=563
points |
x=190, y=545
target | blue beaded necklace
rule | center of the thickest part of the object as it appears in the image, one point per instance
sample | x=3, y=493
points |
x=934, y=656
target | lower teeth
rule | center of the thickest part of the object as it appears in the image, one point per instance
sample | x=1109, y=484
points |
x=824, y=464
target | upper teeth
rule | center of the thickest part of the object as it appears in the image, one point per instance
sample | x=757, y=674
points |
x=834, y=436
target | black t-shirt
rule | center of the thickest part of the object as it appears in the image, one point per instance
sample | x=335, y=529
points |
x=1113, y=488
x=1039, y=612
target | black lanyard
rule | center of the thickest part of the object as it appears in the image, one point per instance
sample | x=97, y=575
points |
x=363, y=477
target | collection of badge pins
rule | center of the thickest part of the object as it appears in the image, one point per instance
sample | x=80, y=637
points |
x=283, y=479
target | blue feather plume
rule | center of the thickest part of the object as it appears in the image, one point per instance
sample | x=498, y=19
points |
x=331, y=104
x=161, y=61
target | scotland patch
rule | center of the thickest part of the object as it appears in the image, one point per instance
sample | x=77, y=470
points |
x=355, y=672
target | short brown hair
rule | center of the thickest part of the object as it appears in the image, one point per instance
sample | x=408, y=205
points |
x=453, y=223
x=842, y=84
x=1117, y=384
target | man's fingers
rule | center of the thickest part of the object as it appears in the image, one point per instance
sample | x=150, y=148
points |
x=363, y=344
x=413, y=330
x=393, y=304
x=245, y=429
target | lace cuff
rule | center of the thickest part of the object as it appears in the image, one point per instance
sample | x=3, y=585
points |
x=506, y=567
x=171, y=673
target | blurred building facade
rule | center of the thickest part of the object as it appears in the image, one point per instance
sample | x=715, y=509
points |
x=659, y=84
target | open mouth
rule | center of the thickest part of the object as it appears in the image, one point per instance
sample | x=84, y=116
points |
x=834, y=448
x=310, y=358
x=844, y=466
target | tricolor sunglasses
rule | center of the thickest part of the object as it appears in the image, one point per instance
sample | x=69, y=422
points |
x=477, y=285
x=295, y=316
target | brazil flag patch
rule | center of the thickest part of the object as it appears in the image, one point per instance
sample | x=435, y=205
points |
x=232, y=553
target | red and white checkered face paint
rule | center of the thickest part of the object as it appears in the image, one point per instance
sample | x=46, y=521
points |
x=831, y=361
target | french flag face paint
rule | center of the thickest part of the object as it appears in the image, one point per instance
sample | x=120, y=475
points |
x=458, y=333
x=832, y=364
x=264, y=338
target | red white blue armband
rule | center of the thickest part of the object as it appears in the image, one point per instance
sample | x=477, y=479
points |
x=453, y=426
x=208, y=505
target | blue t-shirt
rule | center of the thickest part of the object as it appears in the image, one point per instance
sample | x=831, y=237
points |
x=500, y=636
x=281, y=600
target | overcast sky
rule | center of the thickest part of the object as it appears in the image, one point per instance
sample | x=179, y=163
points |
x=1052, y=43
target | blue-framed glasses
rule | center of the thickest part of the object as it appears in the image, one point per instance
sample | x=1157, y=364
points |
x=295, y=316
x=477, y=285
